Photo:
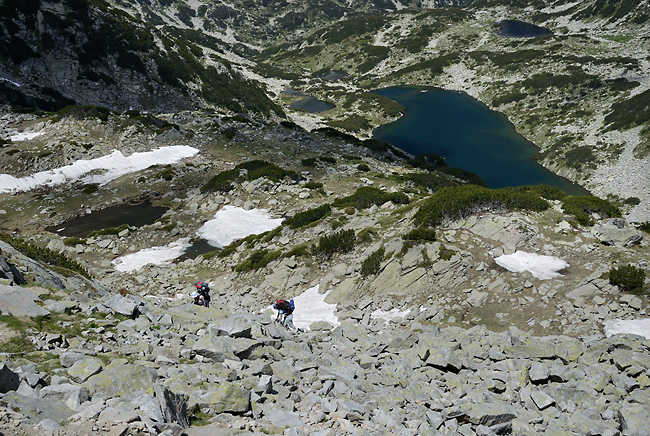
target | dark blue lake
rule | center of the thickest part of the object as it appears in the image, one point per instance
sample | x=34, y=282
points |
x=469, y=135
x=520, y=29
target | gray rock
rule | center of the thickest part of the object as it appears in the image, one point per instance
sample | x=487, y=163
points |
x=616, y=232
x=173, y=406
x=70, y=395
x=634, y=419
x=20, y=302
x=228, y=397
x=541, y=399
x=122, y=305
x=488, y=414
x=280, y=417
x=120, y=379
x=83, y=369
x=120, y=414
x=234, y=326
x=539, y=372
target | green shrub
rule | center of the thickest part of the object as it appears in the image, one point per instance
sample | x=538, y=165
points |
x=301, y=250
x=90, y=189
x=465, y=175
x=223, y=181
x=108, y=231
x=633, y=201
x=366, y=196
x=309, y=162
x=430, y=161
x=445, y=253
x=372, y=264
x=579, y=156
x=309, y=216
x=462, y=201
x=258, y=259
x=339, y=242
x=421, y=235
x=328, y=159
x=313, y=185
x=363, y=167
x=628, y=278
x=44, y=254
x=350, y=210
x=644, y=227
x=366, y=234
x=582, y=207
x=72, y=242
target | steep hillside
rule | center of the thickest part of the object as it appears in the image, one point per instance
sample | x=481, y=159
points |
x=75, y=52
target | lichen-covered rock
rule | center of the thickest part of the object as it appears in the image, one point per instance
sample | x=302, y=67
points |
x=120, y=379
x=616, y=232
x=228, y=397
x=83, y=369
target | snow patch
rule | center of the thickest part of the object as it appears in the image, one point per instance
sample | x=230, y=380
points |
x=391, y=315
x=25, y=136
x=639, y=327
x=231, y=223
x=114, y=165
x=310, y=308
x=540, y=266
x=154, y=255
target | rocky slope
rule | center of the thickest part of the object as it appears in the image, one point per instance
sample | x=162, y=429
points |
x=479, y=350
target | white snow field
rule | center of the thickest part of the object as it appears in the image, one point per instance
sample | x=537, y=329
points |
x=639, y=327
x=390, y=315
x=114, y=165
x=231, y=223
x=25, y=136
x=310, y=308
x=155, y=255
x=540, y=266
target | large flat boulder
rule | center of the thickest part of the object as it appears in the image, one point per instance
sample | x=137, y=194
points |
x=19, y=301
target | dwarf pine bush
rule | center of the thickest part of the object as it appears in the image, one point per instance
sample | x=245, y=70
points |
x=628, y=278
x=582, y=207
x=307, y=217
x=462, y=201
x=372, y=264
x=367, y=196
x=340, y=242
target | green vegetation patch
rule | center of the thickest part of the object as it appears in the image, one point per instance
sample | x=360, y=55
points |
x=258, y=259
x=372, y=264
x=44, y=254
x=309, y=216
x=582, y=207
x=462, y=201
x=632, y=112
x=628, y=278
x=366, y=196
x=421, y=234
x=339, y=242
x=223, y=182
x=83, y=112
x=108, y=231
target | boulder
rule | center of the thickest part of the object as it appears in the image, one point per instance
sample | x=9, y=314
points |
x=19, y=301
x=120, y=379
x=83, y=369
x=70, y=395
x=617, y=233
x=122, y=305
x=227, y=398
x=234, y=326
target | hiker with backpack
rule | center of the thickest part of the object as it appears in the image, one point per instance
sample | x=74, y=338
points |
x=285, y=313
x=202, y=294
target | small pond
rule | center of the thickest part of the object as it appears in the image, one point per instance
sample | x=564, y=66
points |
x=311, y=105
x=334, y=76
x=197, y=248
x=520, y=29
x=132, y=214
